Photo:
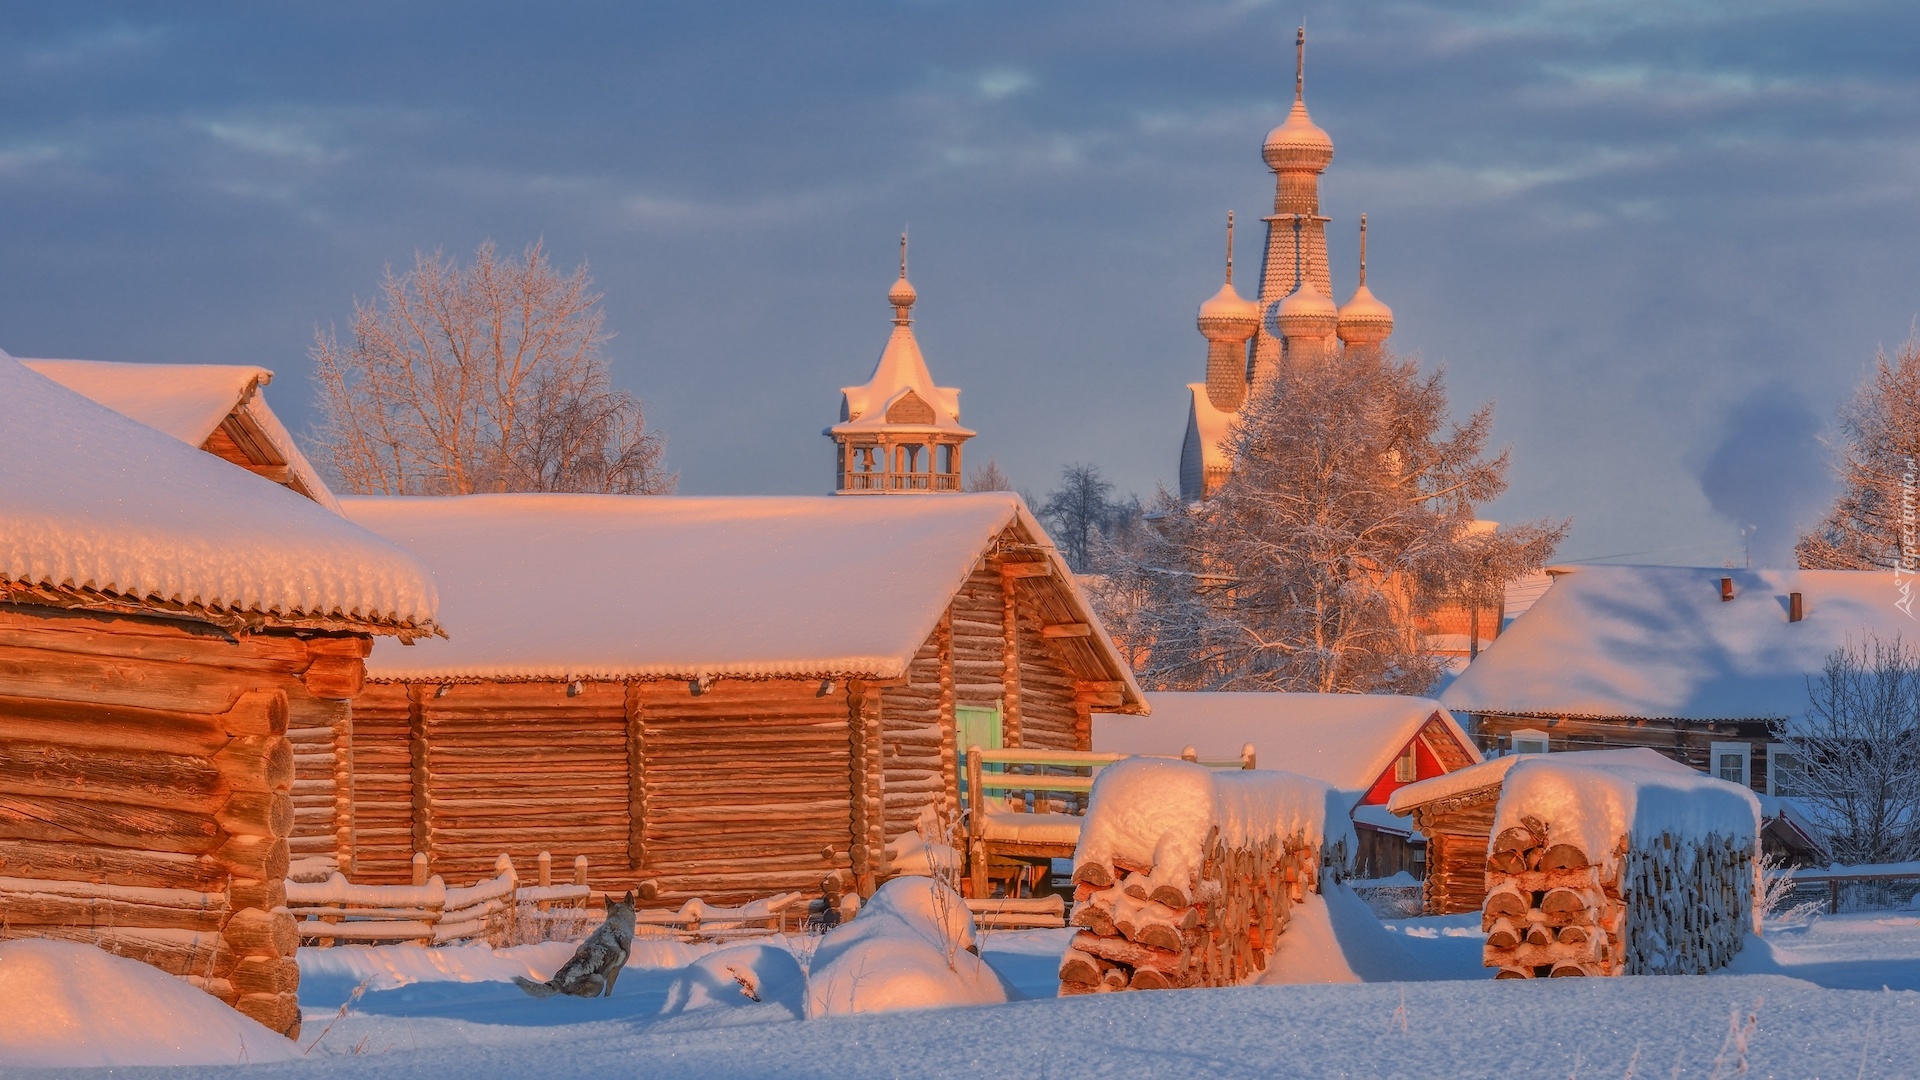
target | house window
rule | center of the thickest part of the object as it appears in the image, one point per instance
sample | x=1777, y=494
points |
x=1730, y=762
x=1529, y=741
x=1783, y=770
x=1406, y=767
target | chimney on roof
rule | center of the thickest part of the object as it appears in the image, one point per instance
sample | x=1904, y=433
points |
x=1726, y=589
x=1795, y=609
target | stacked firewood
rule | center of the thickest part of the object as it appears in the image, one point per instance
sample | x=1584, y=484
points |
x=1217, y=928
x=1668, y=906
x=1551, y=909
x=1691, y=903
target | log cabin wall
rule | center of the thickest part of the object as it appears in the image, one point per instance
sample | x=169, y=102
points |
x=381, y=787
x=917, y=737
x=1689, y=742
x=146, y=781
x=748, y=787
x=521, y=768
x=1458, y=829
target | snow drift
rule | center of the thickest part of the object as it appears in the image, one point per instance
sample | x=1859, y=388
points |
x=911, y=947
x=73, y=1005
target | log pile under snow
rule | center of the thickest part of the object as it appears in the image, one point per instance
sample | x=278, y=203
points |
x=1187, y=877
x=1620, y=864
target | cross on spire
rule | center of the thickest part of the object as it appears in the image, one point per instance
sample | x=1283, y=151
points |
x=903, y=254
x=1300, y=62
x=1363, y=249
x=1229, y=247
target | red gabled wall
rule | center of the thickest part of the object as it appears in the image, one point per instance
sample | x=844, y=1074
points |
x=1426, y=767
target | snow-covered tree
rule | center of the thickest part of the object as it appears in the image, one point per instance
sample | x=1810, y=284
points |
x=1077, y=511
x=1349, y=512
x=988, y=477
x=1855, y=756
x=1872, y=523
x=481, y=378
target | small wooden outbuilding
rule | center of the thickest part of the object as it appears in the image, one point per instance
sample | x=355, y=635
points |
x=164, y=619
x=713, y=697
x=1367, y=746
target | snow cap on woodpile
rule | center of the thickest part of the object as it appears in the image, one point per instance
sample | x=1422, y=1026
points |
x=607, y=587
x=190, y=402
x=1591, y=800
x=98, y=509
x=1346, y=740
x=1659, y=642
x=1158, y=812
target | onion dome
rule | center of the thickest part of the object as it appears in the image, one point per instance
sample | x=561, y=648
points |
x=1304, y=314
x=1299, y=145
x=1229, y=317
x=1364, y=320
x=902, y=295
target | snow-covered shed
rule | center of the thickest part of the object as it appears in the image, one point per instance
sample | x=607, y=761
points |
x=216, y=407
x=1695, y=662
x=162, y=617
x=718, y=697
x=1366, y=746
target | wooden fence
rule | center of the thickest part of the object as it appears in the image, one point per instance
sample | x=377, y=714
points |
x=429, y=912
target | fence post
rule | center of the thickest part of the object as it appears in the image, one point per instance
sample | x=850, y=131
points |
x=419, y=868
x=545, y=862
x=579, y=869
x=1246, y=756
x=1189, y=754
x=1833, y=896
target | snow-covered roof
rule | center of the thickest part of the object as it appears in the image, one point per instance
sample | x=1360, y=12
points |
x=1493, y=771
x=547, y=587
x=901, y=395
x=1346, y=740
x=1658, y=642
x=94, y=505
x=190, y=402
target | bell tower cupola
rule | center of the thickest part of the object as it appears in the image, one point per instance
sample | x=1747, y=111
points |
x=898, y=432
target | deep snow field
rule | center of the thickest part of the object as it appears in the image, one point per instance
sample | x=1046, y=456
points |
x=1837, y=998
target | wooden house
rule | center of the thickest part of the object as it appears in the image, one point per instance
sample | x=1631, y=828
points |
x=1695, y=662
x=222, y=409
x=164, y=619
x=713, y=697
x=1367, y=746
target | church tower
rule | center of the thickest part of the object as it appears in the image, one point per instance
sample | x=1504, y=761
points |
x=1294, y=319
x=898, y=432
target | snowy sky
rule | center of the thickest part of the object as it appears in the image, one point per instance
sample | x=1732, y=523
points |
x=1664, y=236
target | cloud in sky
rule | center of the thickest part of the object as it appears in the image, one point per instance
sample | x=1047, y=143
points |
x=1625, y=223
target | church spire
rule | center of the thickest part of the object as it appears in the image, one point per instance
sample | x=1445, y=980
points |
x=903, y=294
x=1227, y=322
x=1297, y=151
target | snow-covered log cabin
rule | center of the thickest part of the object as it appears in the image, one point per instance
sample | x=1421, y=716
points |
x=222, y=409
x=714, y=697
x=163, y=614
x=1694, y=662
x=1366, y=746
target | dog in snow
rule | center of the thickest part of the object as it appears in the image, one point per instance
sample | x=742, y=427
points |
x=597, y=962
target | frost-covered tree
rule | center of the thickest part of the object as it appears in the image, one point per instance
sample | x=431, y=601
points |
x=1872, y=523
x=1856, y=753
x=988, y=477
x=1349, y=512
x=1077, y=511
x=481, y=378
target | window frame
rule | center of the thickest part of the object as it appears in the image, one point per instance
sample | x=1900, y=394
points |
x=1775, y=751
x=1530, y=736
x=1745, y=750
